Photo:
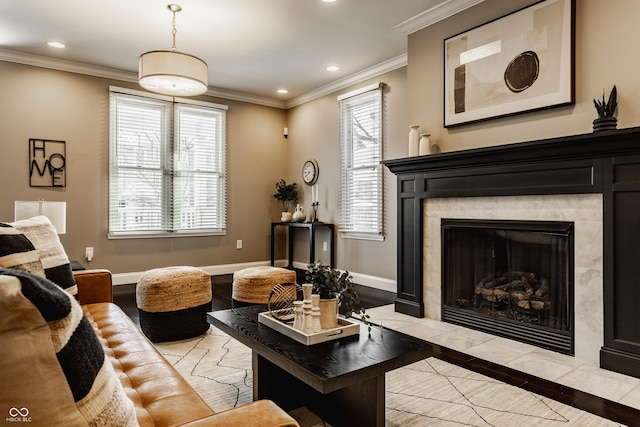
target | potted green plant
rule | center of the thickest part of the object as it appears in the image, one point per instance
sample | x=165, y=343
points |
x=337, y=292
x=286, y=194
x=606, y=110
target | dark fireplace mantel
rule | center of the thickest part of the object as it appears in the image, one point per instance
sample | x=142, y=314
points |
x=605, y=162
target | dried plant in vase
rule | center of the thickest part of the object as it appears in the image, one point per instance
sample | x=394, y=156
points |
x=606, y=111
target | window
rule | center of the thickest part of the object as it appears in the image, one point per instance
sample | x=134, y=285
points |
x=361, y=147
x=167, y=166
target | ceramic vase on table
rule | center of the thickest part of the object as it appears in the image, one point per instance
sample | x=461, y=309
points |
x=414, y=139
x=299, y=215
x=286, y=217
x=328, y=313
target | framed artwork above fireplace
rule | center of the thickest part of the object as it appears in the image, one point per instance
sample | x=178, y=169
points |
x=520, y=62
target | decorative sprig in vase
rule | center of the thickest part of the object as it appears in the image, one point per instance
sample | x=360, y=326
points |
x=606, y=111
x=330, y=283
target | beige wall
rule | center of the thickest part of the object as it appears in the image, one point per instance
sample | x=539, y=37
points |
x=41, y=103
x=314, y=132
x=607, y=35
x=48, y=104
x=606, y=39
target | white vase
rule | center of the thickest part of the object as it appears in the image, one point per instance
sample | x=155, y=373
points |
x=414, y=138
x=299, y=215
x=425, y=144
x=286, y=217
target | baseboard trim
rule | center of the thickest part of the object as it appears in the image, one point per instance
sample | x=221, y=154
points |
x=213, y=270
x=363, y=279
x=375, y=282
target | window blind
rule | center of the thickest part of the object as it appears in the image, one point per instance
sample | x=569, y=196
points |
x=361, y=154
x=167, y=167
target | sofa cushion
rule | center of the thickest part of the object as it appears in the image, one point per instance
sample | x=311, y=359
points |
x=52, y=365
x=160, y=394
x=55, y=262
x=16, y=251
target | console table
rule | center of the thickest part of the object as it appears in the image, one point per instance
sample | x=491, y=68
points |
x=311, y=227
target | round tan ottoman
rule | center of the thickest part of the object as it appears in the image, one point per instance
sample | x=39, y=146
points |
x=173, y=303
x=253, y=285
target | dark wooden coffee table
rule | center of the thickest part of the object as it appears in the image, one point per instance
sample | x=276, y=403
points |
x=342, y=381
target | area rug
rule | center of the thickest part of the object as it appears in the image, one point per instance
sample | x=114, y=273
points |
x=430, y=392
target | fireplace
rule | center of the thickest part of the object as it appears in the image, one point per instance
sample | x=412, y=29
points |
x=510, y=278
x=592, y=180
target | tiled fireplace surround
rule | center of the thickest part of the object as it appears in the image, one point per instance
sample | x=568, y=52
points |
x=584, y=210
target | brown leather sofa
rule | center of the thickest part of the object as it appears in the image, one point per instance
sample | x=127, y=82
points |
x=161, y=396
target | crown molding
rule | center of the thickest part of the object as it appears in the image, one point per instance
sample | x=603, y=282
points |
x=68, y=66
x=437, y=13
x=368, y=73
x=126, y=76
x=111, y=73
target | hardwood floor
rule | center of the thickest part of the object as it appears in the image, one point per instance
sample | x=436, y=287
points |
x=124, y=296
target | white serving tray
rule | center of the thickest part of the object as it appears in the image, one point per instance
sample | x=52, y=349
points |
x=345, y=328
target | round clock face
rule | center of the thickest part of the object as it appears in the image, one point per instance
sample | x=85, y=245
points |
x=310, y=172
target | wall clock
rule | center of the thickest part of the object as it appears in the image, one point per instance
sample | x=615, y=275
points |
x=310, y=172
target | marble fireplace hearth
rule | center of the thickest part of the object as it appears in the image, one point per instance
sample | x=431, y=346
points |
x=584, y=210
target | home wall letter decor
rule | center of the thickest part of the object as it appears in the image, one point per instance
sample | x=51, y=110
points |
x=47, y=163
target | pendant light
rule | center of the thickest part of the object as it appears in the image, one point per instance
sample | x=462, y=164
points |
x=170, y=72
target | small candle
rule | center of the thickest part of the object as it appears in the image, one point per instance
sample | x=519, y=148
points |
x=314, y=193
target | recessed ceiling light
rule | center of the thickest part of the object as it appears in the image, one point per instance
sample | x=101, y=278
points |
x=332, y=68
x=56, y=45
x=328, y=1
x=283, y=91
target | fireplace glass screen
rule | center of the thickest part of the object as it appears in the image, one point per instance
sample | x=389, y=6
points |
x=510, y=278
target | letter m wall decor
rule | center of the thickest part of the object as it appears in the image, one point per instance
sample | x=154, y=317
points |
x=47, y=163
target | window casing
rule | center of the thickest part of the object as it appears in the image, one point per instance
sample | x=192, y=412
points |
x=361, y=154
x=167, y=166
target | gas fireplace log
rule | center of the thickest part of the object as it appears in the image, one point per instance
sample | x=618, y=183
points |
x=484, y=292
x=527, y=285
x=520, y=295
x=524, y=304
x=487, y=279
x=496, y=282
x=528, y=275
x=541, y=305
x=544, y=288
x=514, y=285
x=501, y=294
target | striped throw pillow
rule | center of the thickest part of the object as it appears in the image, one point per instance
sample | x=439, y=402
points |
x=16, y=251
x=52, y=365
x=54, y=259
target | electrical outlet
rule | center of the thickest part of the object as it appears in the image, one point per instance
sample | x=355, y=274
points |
x=238, y=244
x=88, y=253
x=324, y=246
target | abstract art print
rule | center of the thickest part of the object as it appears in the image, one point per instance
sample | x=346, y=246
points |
x=521, y=62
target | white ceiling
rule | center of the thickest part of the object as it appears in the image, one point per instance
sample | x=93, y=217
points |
x=252, y=47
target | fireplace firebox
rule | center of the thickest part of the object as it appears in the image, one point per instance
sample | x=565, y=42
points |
x=510, y=278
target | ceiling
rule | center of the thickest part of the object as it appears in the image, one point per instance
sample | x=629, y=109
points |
x=252, y=47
